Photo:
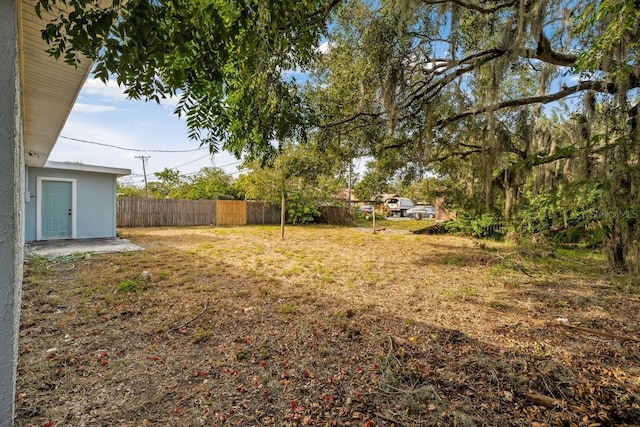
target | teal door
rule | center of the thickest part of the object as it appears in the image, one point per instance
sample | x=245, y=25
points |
x=56, y=210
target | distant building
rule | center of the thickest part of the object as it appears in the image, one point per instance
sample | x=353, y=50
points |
x=343, y=196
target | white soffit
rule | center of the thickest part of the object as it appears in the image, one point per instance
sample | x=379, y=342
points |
x=49, y=87
x=80, y=167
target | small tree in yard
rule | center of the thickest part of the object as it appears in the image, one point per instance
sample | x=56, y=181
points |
x=208, y=184
x=291, y=180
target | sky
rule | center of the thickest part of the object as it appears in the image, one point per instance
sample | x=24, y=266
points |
x=103, y=115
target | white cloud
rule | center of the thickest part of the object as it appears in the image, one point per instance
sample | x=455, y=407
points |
x=111, y=91
x=325, y=46
x=80, y=107
x=576, y=78
x=105, y=91
x=171, y=101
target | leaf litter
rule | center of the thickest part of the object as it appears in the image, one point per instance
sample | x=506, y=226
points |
x=331, y=326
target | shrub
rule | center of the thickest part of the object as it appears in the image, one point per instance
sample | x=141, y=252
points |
x=563, y=217
x=482, y=227
x=301, y=209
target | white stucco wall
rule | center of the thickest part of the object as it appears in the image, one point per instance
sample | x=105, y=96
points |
x=11, y=206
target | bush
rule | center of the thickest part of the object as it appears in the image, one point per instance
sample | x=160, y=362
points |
x=562, y=218
x=483, y=227
x=301, y=209
x=368, y=216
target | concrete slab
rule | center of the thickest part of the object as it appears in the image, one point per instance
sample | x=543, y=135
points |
x=58, y=248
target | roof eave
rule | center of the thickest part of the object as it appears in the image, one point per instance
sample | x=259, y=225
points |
x=50, y=87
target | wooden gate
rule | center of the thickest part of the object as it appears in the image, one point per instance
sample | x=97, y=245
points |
x=231, y=212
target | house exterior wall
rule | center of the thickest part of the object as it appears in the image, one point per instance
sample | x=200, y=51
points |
x=11, y=204
x=95, y=202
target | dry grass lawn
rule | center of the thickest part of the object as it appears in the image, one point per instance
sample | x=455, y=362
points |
x=331, y=326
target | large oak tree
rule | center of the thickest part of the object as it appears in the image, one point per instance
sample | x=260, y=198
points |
x=489, y=92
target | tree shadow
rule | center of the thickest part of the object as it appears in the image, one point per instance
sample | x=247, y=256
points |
x=200, y=346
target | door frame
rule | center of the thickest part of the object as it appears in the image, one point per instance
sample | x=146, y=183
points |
x=39, y=204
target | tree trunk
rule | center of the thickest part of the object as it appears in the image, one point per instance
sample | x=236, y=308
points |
x=373, y=208
x=510, y=186
x=616, y=248
x=283, y=214
x=510, y=199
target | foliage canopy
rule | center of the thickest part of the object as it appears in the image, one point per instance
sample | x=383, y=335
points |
x=506, y=101
x=225, y=60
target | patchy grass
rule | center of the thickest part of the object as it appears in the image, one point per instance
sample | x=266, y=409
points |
x=331, y=326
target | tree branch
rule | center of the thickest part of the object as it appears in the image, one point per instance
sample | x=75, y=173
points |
x=352, y=118
x=466, y=65
x=543, y=99
x=324, y=11
x=472, y=6
x=459, y=154
x=544, y=53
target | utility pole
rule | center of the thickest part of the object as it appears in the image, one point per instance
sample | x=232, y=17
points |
x=144, y=171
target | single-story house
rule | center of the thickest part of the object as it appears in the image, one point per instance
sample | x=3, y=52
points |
x=37, y=93
x=61, y=200
x=70, y=201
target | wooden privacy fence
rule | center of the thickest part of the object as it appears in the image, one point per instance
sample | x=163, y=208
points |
x=141, y=212
x=262, y=213
x=336, y=215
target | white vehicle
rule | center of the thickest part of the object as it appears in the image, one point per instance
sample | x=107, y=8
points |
x=398, y=205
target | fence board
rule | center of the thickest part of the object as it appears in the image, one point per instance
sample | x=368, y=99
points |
x=231, y=212
x=336, y=215
x=262, y=213
x=142, y=212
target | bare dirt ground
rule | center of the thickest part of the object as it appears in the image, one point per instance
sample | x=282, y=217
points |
x=331, y=326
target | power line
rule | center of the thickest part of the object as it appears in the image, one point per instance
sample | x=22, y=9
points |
x=218, y=167
x=132, y=149
x=192, y=161
x=230, y=164
x=139, y=176
x=200, y=158
x=239, y=171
